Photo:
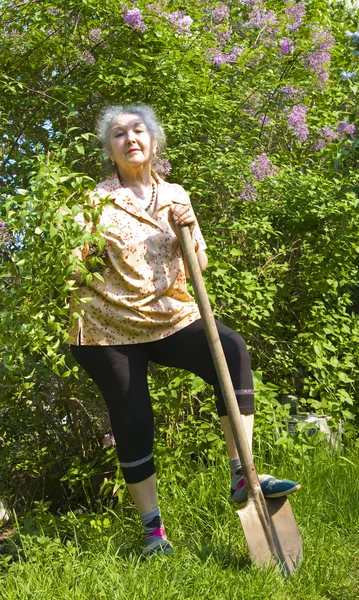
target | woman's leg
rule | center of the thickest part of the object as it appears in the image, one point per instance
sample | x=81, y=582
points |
x=248, y=422
x=120, y=372
x=189, y=349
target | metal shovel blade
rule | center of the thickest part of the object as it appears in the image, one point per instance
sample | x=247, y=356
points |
x=286, y=535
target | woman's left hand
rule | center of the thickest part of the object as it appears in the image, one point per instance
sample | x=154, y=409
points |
x=183, y=215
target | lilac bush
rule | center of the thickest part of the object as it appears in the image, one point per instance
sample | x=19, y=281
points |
x=297, y=121
x=290, y=92
x=163, y=166
x=227, y=129
x=318, y=60
x=87, y=57
x=286, y=46
x=95, y=35
x=260, y=17
x=345, y=128
x=295, y=13
x=220, y=13
x=223, y=37
x=134, y=19
x=179, y=21
x=263, y=167
x=217, y=57
x=249, y=193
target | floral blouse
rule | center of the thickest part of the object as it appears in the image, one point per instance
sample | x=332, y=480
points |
x=144, y=295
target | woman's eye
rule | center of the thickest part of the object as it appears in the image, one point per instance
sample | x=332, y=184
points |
x=138, y=130
x=119, y=134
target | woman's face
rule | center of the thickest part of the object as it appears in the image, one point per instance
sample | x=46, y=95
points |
x=130, y=142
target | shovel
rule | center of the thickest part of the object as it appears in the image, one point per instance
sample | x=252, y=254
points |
x=269, y=525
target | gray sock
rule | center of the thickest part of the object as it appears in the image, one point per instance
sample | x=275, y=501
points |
x=153, y=527
x=236, y=474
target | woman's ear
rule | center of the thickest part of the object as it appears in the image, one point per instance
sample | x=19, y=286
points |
x=154, y=147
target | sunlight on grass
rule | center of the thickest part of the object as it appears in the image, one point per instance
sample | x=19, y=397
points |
x=69, y=558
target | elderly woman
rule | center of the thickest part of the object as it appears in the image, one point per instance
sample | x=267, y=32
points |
x=143, y=312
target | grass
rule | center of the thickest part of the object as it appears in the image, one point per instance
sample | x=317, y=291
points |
x=97, y=556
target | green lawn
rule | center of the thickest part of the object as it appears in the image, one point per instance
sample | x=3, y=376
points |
x=81, y=562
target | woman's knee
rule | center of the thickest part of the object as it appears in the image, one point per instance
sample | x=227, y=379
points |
x=235, y=348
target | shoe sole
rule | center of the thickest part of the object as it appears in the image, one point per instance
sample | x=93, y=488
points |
x=278, y=495
x=165, y=549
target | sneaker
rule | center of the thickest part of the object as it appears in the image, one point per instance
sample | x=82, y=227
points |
x=275, y=488
x=158, y=547
x=271, y=488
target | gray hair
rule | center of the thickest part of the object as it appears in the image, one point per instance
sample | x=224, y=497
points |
x=147, y=114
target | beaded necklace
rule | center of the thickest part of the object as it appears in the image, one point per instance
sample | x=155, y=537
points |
x=153, y=193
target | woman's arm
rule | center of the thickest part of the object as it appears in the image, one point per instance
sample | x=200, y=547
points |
x=202, y=260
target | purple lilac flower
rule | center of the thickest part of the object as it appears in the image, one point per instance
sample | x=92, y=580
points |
x=180, y=21
x=318, y=61
x=291, y=92
x=320, y=144
x=323, y=76
x=286, y=46
x=109, y=440
x=162, y=166
x=295, y=14
x=249, y=2
x=155, y=8
x=248, y=193
x=219, y=58
x=345, y=128
x=87, y=57
x=261, y=18
x=345, y=75
x=267, y=21
x=220, y=13
x=223, y=37
x=296, y=119
x=262, y=167
x=327, y=133
x=95, y=35
x=134, y=19
x=323, y=38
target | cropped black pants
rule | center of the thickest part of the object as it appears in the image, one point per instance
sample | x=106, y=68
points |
x=120, y=372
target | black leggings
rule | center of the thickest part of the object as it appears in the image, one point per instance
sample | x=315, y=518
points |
x=121, y=374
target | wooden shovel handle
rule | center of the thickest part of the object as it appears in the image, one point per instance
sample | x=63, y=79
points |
x=219, y=359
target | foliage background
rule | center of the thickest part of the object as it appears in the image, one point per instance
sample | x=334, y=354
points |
x=258, y=100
